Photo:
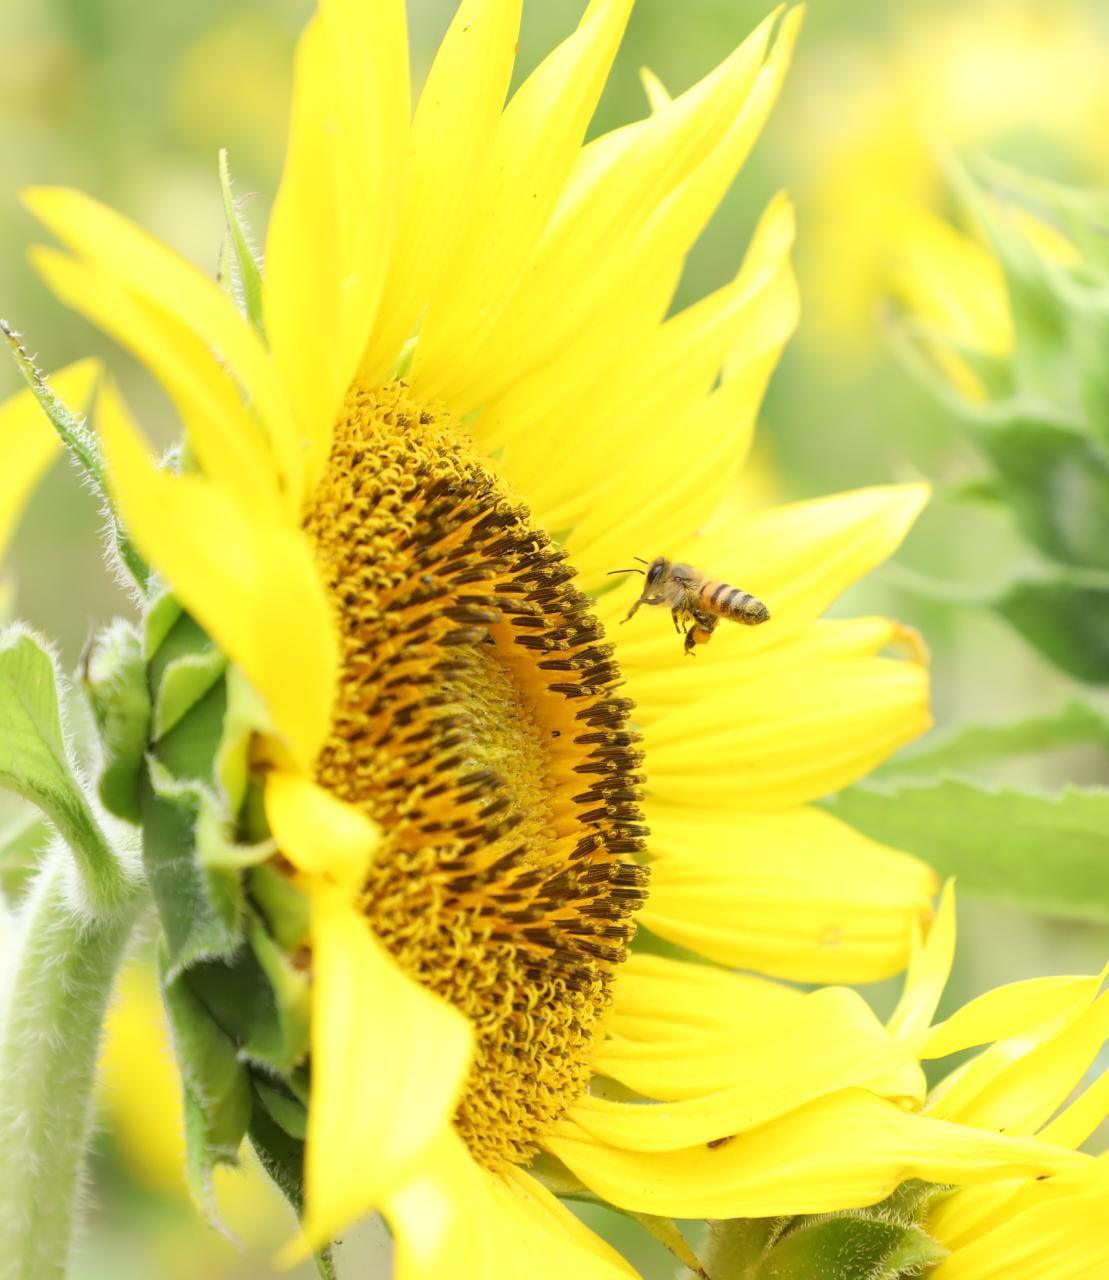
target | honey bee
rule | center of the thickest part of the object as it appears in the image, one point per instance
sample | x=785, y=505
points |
x=697, y=603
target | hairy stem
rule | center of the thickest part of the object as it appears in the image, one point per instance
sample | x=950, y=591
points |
x=57, y=981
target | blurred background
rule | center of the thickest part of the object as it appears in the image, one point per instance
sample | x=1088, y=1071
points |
x=132, y=101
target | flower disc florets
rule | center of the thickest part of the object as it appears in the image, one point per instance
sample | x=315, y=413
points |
x=476, y=723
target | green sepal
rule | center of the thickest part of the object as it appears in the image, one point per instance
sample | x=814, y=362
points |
x=114, y=678
x=216, y=1085
x=851, y=1247
x=1089, y=312
x=244, y=717
x=666, y=1232
x=285, y=908
x=289, y=1112
x=200, y=907
x=185, y=668
x=1041, y=329
x=283, y=1041
x=35, y=763
x=1048, y=470
x=246, y=274
x=162, y=611
x=82, y=446
x=735, y=1248
x=1082, y=214
x=282, y=1157
x=1045, y=853
x=260, y=999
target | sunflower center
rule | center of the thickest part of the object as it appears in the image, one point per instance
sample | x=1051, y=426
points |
x=476, y=723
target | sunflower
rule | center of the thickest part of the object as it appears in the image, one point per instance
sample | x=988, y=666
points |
x=1044, y=1036
x=456, y=401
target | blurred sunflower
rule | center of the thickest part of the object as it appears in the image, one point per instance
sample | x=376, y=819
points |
x=954, y=288
x=1015, y=79
x=460, y=403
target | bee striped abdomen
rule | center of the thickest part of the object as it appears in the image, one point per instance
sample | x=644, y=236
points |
x=731, y=602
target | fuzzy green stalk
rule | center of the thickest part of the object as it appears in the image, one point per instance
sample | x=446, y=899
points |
x=58, y=977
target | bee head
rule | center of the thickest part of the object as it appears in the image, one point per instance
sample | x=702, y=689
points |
x=656, y=570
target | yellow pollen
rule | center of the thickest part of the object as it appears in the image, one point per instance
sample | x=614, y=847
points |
x=476, y=723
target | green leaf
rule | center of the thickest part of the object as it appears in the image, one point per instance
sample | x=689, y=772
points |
x=1048, y=854
x=1065, y=617
x=1075, y=724
x=1064, y=613
x=849, y=1248
x=115, y=681
x=247, y=273
x=82, y=445
x=35, y=764
x=1051, y=475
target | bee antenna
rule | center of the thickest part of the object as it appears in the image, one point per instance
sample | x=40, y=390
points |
x=640, y=559
x=612, y=571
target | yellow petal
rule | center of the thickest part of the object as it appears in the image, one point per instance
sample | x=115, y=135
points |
x=388, y=1061
x=929, y=969
x=657, y=95
x=725, y=1083
x=1008, y=1010
x=796, y=894
x=457, y=1219
x=739, y=659
x=452, y=135
x=797, y=736
x=229, y=445
x=149, y=271
x=648, y=503
x=608, y=204
x=538, y=138
x=657, y=1000
x=640, y=276
x=1058, y=1240
x=331, y=231
x=250, y=583
x=28, y=443
x=320, y=834
x=844, y=1151
x=1024, y=1084
x=1075, y=1123
x=625, y=434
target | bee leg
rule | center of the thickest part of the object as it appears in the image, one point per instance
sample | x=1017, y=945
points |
x=674, y=613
